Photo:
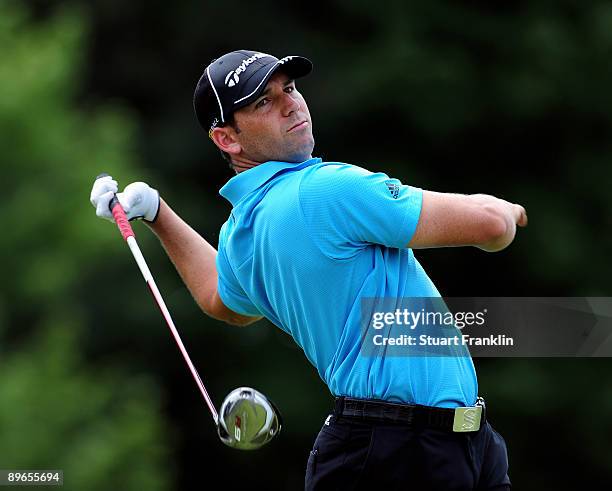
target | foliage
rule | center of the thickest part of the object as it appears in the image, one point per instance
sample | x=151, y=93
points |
x=97, y=422
x=507, y=98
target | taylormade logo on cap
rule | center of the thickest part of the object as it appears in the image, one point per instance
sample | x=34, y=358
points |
x=233, y=77
x=286, y=58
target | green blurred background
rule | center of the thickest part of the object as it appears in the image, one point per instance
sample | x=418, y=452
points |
x=506, y=98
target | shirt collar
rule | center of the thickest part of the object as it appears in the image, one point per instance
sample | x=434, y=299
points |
x=242, y=184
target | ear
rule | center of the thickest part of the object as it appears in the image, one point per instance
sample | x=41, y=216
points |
x=225, y=139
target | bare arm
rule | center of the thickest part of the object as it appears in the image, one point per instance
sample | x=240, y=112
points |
x=194, y=259
x=479, y=220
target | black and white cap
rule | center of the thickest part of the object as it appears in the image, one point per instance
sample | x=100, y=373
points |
x=237, y=79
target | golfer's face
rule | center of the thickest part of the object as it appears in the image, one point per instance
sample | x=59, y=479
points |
x=277, y=125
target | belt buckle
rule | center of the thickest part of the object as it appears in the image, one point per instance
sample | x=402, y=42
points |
x=467, y=419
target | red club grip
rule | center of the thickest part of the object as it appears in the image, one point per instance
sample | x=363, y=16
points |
x=121, y=219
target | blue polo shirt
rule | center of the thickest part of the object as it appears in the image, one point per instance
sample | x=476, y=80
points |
x=304, y=244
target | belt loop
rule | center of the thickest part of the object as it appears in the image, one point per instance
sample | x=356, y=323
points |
x=339, y=406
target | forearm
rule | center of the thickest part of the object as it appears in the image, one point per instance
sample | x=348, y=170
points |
x=479, y=220
x=193, y=257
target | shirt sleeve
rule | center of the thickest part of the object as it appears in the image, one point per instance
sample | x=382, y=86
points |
x=228, y=286
x=347, y=207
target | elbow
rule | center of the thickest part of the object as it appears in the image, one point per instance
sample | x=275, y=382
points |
x=218, y=314
x=213, y=306
x=241, y=320
x=205, y=303
x=234, y=319
x=229, y=319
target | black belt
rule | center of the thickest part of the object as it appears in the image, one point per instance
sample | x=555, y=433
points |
x=464, y=419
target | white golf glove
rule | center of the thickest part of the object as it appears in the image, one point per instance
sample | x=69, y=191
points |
x=138, y=199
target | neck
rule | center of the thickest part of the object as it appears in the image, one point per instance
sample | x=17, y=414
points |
x=240, y=164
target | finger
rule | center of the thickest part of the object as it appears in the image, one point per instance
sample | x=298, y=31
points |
x=133, y=192
x=126, y=201
x=102, y=186
x=102, y=181
x=109, y=185
x=102, y=204
x=522, y=218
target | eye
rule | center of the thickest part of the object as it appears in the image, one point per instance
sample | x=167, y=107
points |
x=289, y=89
x=262, y=102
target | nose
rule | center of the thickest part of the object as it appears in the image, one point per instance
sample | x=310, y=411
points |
x=291, y=104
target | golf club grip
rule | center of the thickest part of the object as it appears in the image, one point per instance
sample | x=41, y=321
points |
x=121, y=219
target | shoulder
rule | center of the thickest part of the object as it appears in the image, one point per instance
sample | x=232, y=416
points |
x=327, y=169
x=331, y=176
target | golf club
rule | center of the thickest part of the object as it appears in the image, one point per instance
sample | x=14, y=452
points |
x=248, y=419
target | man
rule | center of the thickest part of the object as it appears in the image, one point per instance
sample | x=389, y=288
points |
x=305, y=243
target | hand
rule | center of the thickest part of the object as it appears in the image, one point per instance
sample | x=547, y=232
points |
x=103, y=190
x=512, y=214
x=138, y=199
x=518, y=212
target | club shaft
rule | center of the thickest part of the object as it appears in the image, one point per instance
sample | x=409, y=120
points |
x=146, y=273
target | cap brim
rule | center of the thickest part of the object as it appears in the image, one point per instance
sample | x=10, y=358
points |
x=294, y=66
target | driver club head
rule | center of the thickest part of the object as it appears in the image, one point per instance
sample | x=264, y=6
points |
x=248, y=419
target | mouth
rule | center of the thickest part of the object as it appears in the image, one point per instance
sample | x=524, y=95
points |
x=298, y=126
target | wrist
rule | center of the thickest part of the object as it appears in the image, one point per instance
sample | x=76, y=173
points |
x=159, y=222
x=153, y=212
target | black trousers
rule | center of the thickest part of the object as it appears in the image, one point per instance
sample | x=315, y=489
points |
x=358, y=454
